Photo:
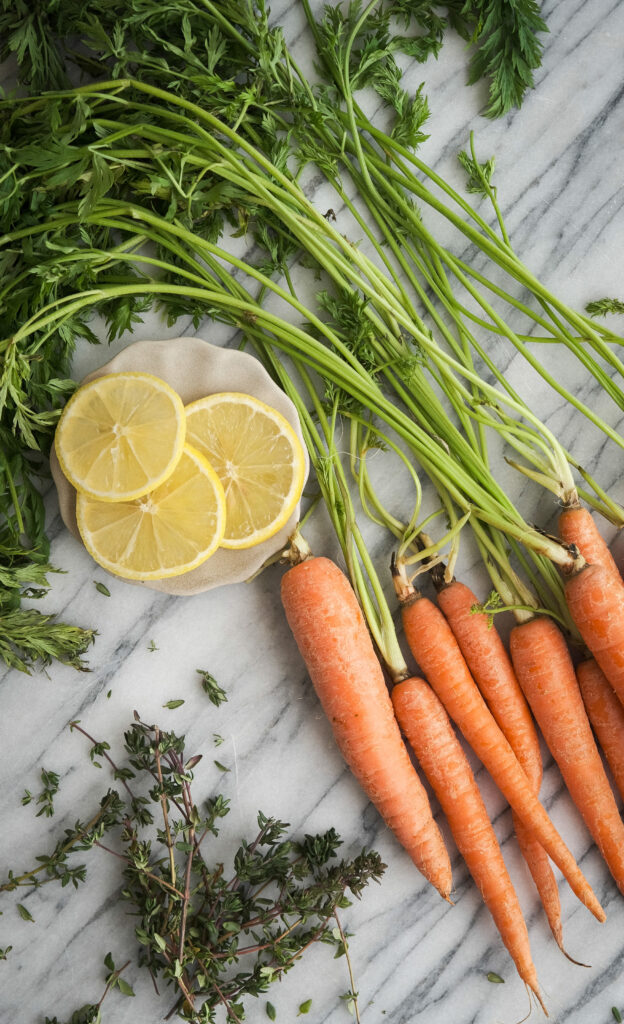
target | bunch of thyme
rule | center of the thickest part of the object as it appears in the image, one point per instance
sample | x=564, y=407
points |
x=215, y=939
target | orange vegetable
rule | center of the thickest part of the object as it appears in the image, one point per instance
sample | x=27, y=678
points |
x=577, y=526
x=428, y=730
x=596, y=602
x=493, y=673
x=546, y=674
x=433, y=645
x=606, y=714
x=329, y=628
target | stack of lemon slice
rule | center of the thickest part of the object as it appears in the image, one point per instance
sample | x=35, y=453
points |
x=160, y=487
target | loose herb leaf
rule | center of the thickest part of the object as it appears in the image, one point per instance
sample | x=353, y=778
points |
x=24, y=913
x=101, y=588
x=495, y=978
x=173, y=704
x=616, y=1014
x=210, y=686
x=270, y=1011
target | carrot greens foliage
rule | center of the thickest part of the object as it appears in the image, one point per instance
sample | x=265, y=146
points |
x=172, y=180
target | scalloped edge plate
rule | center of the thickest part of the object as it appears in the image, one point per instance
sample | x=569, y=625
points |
x=195, y=368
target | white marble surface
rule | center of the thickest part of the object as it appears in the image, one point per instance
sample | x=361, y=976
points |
x=561, y=185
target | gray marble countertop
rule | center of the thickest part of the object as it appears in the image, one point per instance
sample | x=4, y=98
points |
x=560, y=174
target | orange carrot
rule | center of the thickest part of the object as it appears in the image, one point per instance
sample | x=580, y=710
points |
x=596, y=602
x=577, y=526
x=546, y=674
x=329, y=628
x=606, y=714
x=493, y=673
x=428, y=730
x=433, y=645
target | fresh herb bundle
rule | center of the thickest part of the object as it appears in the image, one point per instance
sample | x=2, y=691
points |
x=214, y=939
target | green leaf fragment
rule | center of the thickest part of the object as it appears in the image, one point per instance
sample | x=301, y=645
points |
x=601, y=307
x=210, y=686
x=24, y=913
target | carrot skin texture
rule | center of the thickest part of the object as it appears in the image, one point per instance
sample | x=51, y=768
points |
x=606, y=715
x=493, y=673
x=546, y=674
x=430, y=733
x=596, y=603
x=433, y=645
x=329, y=628
x=577, y=526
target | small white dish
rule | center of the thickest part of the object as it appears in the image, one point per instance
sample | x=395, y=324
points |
x=194, y=368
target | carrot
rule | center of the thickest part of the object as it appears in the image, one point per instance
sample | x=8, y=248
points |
x=493, y=673
x=329, y=628
x=606, y=714
x=577, y=526
x=433, y=645
x=428, y=730
x=546, y=674
x=596, y=602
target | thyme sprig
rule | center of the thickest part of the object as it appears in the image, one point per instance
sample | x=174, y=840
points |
x=215, y=937
x=91, y=1013
x=51, y=783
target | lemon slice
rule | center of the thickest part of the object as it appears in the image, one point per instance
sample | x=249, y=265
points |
x=258, y=458
x=120, y=436
x=164, y=533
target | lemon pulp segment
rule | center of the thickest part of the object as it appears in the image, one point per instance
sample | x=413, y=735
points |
x=171, y=530
x=258, y=458
x=121, y=435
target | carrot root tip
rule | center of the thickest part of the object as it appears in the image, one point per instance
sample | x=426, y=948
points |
x=534, y=993
x=578, y=963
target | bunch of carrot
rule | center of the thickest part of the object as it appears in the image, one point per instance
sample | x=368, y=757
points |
x=472, y=681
